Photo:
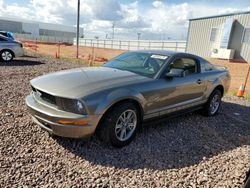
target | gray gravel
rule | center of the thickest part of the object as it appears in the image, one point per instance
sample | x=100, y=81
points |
x=188, y=151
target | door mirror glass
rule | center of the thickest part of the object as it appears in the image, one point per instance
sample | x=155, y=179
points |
x=175, y=73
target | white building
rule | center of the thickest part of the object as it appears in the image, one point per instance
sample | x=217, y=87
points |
x=33, y=29
x=223, y=36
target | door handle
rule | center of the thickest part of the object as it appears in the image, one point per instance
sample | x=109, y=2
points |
x=199, y=81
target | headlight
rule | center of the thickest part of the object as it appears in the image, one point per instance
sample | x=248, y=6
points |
x=72, y=105
x=80, y=107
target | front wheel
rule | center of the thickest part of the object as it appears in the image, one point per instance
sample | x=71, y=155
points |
x=6, y=55
x=213, y=104
x=119, y=126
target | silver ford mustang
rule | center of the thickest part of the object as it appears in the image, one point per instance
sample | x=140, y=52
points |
x=114, y=99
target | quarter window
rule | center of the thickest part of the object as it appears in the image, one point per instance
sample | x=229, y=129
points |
x=246, y=36
x=209, y=67
x=214, y=33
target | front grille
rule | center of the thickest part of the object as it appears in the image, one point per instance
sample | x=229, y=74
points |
x=44, y=96
x=47, y=97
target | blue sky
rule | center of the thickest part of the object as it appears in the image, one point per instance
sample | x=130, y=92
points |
x=155, y=19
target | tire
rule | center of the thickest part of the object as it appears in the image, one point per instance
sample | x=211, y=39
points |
x=112, y=128
x=6, y=55
x=213, y=104
x=247, y=180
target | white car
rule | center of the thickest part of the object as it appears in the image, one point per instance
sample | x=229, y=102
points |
x=10, y=49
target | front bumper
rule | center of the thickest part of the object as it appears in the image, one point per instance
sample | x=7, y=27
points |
x=47, y=118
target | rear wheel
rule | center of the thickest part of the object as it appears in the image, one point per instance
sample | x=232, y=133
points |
x=6, y=55
x=119, y=126
x=213, y=104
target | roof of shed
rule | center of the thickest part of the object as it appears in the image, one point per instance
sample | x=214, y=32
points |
x=221, y=15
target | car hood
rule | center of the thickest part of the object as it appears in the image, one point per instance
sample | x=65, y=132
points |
x=76, y=83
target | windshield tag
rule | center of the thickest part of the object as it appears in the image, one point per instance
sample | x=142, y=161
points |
x=159, y=56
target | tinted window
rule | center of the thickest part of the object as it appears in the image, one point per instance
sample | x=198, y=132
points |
x=2, y=39
x=209, y=67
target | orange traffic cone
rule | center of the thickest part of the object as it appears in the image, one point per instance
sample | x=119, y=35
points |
x=241, y=91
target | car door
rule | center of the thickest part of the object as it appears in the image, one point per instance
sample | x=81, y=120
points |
x=4, y=43
x=177, y=93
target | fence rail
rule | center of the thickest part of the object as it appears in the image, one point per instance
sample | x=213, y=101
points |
x=43, y=38
x=179, y=46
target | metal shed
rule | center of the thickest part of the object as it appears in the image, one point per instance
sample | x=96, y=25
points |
x=224, y=36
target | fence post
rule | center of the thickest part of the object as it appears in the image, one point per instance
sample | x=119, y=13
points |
x=138, y=47
x=162, y=46
x=112, y=41
x=149, y=45
x=176, y=46
x=104, y=43
x=129, y=45
x=92, y=58
x=36, y=45
x=59, y=49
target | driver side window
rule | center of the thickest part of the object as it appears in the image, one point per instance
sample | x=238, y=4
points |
x=186, y=66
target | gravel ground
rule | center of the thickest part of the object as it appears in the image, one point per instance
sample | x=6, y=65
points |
x=188, y=151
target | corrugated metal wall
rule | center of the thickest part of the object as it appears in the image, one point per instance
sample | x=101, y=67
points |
x=200, y=30
x=6, y=25
x=44, y=31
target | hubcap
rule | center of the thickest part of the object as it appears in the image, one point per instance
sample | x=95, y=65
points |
x=6, y=56
x=215, y=103
x=125, y=125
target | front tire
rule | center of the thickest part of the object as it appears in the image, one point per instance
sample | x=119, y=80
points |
x=213, y=104
x=119, y=126
x=6, y=55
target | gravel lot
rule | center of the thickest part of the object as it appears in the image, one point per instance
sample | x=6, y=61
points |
x=188, y=151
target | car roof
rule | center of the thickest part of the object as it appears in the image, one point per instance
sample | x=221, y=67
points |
x=164, y=52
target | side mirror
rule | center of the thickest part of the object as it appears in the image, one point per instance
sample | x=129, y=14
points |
x=171, y=75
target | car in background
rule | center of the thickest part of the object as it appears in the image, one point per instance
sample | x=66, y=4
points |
x=7, y=34
x=10, y=49
x=114, y=99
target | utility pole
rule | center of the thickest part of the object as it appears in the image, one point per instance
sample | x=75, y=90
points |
x=77, y=32
x=138, y=36
x=113, y=30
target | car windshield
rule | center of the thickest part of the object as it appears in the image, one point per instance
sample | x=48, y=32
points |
x=145, y=64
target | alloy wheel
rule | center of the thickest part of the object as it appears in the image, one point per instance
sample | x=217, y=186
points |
x=126, y=125
x=6, y=56
x=215, y=103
